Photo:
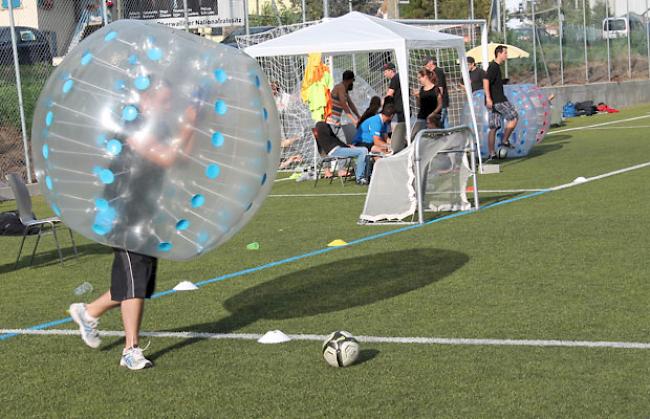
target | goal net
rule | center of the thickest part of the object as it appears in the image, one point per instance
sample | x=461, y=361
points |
x=430, y=175
x=285, y=73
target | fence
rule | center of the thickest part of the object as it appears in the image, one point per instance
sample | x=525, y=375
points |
x=570, y=42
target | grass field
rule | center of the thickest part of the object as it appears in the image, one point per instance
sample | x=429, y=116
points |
x=565, y=265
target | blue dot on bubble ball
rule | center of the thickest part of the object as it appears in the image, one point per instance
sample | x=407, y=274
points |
x=142, y=82
x=56, y=210
x=264, y=179
x=217, y=139
x=269, y=146
x=220, y=75
x=212, y=171
x=202, y=237
x=114, y=147
x=133, y=59
x=110, y=36
x=48, y=182
x=164, y=246
x=249, y=206
x=46, y=151
x=49, y=118
x=197, y=201
x=154, y=54
x=101, y=204
x=182, y=225
x=129, y=113
x=101, y=229
x=265, y=114
x=119, y=85
x=106, y=176
x=220, y=107
x=67, y=85
x=86, y=58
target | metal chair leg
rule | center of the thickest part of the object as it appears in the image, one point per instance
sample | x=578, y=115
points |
x=20, y=249
x=74, y=245
x=319, y=167
x=58, y=247
x=38, y=239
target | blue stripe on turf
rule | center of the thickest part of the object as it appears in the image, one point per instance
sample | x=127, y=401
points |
x=305, y=255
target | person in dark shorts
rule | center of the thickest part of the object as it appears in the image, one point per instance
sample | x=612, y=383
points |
x=140, y=170
x=497, y=102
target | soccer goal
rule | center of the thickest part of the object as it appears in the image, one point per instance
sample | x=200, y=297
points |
x=432, y=174
x=363, y=52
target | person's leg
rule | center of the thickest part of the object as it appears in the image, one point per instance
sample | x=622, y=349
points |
x=510, y=127
x=398, y=139
x=132, y=310
x=359, y=154
x=101, y=305
x=491, y=139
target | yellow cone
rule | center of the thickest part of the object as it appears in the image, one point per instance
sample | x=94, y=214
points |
x=337, y=242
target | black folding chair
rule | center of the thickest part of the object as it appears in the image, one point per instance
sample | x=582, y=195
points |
x=31, y=223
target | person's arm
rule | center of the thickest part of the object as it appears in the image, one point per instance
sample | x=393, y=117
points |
x=346, y=102
x=438, y=108
x=486, y=89
x=165, y=155
x=353, y=107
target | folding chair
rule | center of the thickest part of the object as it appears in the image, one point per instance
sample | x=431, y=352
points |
x=325, y=159
x=24, y=204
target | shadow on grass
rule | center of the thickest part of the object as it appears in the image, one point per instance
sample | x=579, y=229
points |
x=50, y=257
x=335, y=286
x=550, y=145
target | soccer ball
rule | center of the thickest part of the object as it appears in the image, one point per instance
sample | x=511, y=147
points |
x=340, y=349
x=502, y=153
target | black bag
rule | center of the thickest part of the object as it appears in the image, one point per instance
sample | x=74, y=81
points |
x=10, y=224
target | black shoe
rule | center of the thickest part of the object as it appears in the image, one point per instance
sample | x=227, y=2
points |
x=491, y=157
x=508, y=144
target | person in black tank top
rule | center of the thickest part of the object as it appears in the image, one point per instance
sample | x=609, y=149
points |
x=430, y=102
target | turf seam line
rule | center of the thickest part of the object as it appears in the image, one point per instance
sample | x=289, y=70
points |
x=618, y=121
x=317, y=252
x=366, y=339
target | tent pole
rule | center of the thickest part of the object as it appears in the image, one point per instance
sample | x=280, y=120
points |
x=418, y=180
x=403, y=71
x=468, y=85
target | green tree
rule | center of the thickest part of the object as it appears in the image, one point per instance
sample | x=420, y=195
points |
x=447, y=9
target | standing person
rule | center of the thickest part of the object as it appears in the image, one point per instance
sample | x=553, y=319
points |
x=476, y=74
x=497, y=102
x=394, y=94
x=429, y=99
x=342, y=104
x=141, y=167
x=431, y=64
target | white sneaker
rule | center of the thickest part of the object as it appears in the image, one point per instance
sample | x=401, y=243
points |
x=87, y=325
x=134, y=359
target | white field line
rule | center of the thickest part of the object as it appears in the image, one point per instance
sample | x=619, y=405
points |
x=366, y=339
x=311, y=195
x=599, y=125
x=617, y=128
x=604, y=175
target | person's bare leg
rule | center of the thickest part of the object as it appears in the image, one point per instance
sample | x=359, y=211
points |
x=491, y=138
x=132, y=318
x=510, y=127
x=101, y=305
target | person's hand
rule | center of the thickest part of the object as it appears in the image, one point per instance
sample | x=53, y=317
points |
x=190, y=115
x=489, y=104
x=415, y=92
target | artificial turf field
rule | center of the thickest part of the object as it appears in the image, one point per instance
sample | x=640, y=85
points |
x=563, y=265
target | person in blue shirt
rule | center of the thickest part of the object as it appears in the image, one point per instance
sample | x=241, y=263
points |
x=373, y=132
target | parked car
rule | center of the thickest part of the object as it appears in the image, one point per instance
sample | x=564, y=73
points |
x=33, y=46
x=231, y=40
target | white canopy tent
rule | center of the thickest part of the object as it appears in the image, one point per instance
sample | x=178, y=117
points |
x=357, y=32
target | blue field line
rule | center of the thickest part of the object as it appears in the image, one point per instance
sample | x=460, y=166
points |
x=305, y=255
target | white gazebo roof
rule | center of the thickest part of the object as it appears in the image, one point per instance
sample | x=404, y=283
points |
x=354, y=32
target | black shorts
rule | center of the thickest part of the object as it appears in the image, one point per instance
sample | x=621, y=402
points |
x=133, y=276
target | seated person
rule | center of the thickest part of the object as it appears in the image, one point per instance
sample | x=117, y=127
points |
x=330, y=145
x=373, y=132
